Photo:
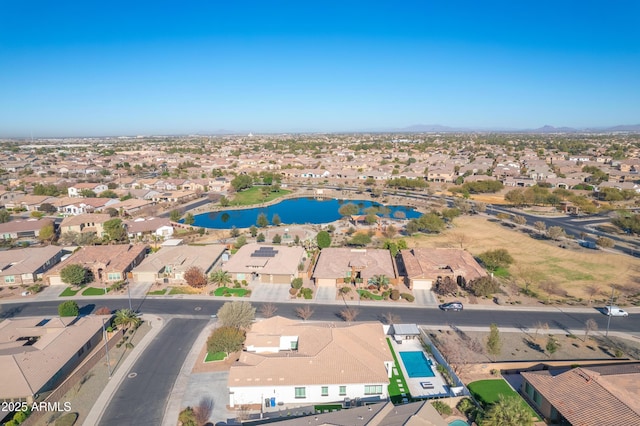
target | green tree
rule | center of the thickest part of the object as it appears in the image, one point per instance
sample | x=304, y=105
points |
x=46, y=233
x=323, y=239
x=189, y=219
x=48, y=208
x=175, y=215
x=68, y=308
x=224, y=201
x=360, y=240
x=297, y=283
x=494, y=341
x=115, y=229
x=348, y=209
x=108, y=194
x=253, y=231
x=494, y=259
x=127, y=318
x=5, y=216
x=379, y=281
x=508, y=411
x=552, y=345
x=276, y=220
x=240, y=241
x=74, y=274
x=262, y=220
x=260, y=238
x=277, y=239
x=241, y=182
x=87, y=193
x=237, y=315
x=220, y=277
x=225, y=339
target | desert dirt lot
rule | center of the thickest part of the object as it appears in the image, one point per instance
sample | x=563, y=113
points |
x=570, y=273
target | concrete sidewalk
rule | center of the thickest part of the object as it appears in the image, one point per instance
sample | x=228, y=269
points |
x=156, y=323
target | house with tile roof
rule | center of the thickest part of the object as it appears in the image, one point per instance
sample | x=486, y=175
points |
x=423, y=267
x=343, y=265
x=586, y=396
x=37, y=354
x=86, y=222
x=308, y=363
x=23, y=229
x=25, y=266
x=107, y=264
x=171, y=263
x=266, y=263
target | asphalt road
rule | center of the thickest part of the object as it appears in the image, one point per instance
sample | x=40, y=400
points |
x=141, y=400
x=564, y=318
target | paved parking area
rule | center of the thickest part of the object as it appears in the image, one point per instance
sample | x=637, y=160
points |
x=209, y=388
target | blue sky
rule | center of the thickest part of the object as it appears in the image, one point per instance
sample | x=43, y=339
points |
x=73, y=68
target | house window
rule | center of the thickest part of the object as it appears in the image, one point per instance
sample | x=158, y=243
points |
x=112, y=276
x=343, y=390
x=325, y=391
x=10, y=279
x=528, y=389
x=301, y=392
x=373, y=389
x=536, y=397
x=294, y=345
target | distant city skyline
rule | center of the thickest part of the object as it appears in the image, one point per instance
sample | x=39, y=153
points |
x=147, y=68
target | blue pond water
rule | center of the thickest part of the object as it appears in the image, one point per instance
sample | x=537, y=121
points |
x=417, y=364
x=291, y=211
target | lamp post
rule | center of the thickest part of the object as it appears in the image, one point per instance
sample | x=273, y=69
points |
x=129, y=294
x=106, y=346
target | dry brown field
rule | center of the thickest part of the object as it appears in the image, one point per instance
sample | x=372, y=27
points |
x=574, y=270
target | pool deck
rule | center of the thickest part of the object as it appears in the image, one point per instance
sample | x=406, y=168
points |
x=434, y=386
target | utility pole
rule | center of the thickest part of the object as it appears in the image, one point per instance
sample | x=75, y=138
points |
x=609, y=312
x=129, y=294
x=106, y=346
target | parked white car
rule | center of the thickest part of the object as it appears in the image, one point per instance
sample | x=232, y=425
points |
x=614, y=311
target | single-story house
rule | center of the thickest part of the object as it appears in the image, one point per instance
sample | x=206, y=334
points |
x=586, y=396
x=304, y=363
x=25, y=266
x=29, y=228
x=266, y=263
x=37, y=354
x=108, y=264
x=159, y=227
x=171, y=263
x=340, y=265
x=422, y=267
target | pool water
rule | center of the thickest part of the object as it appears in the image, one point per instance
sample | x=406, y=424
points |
x=417, y=364
x=458, y=422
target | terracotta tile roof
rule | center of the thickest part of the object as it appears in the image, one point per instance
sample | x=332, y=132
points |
x=27, y=260
x=594, y=396
x=430, y=262
x=335, y=262
x=325, y=355
x=285, y=261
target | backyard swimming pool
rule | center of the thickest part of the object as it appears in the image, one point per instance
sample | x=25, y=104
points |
x=417, y=364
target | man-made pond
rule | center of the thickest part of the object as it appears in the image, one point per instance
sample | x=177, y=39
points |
x=296, y=211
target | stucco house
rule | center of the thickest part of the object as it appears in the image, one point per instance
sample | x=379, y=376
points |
x=25, y=266
x=422, y=267
x=170, y=263
x=265, y=263
x=308, y=363
x=23, y=229
x=341, y=265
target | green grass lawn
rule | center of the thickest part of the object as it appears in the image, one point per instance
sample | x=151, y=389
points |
x=94, y=291
x=254, y=196
x=369, y=295
x=157, y=292
x=240, y=292
x=394, y=390
x=488, y=392
x=216, y=356
x=183, y=290
x=69, y=292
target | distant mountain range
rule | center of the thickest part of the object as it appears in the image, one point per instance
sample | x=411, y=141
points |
x=437, y=128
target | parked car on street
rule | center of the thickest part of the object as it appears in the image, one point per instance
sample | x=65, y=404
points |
x=614, y=311
x=452, y=306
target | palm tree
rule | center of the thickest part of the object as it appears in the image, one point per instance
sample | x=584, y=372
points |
x=379, y=281
x=220, y=277
x=508, y=411
x=127, y=318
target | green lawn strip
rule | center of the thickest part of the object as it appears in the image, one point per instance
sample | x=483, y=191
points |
x=254, y=196
x=157, y=292
x=216, y=356
x=94, y=291
x=488, y=392
x=369, y=295
x=395, y=395
x=234, y=291
x=68, y=292
x=183, y=290
x=327, y=407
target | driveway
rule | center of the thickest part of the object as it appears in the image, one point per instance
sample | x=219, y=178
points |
x=326, y=294
x=270, y=292
x=211, y=389
x=425, y=298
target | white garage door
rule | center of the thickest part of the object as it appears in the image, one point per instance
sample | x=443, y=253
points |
x=422, y=284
